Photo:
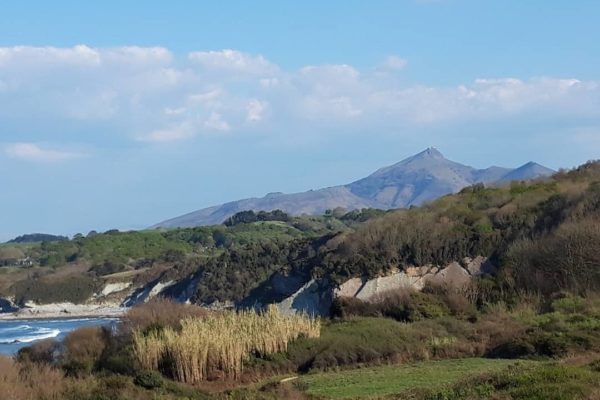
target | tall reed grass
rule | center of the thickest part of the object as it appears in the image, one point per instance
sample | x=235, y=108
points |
x=218, y=344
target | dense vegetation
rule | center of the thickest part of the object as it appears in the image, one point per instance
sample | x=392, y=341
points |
x=542, y=305
x=221, y=253
x=38, y=238
x=559, y=341
x=544, y=236
x=247, y=217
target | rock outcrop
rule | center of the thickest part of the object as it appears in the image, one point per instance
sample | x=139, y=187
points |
x=315, y=296
x=7, y=306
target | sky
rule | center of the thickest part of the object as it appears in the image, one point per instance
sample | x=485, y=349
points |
x=120, y=114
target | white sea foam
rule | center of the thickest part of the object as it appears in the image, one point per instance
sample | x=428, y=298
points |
x=17, y=328
x=27, y=334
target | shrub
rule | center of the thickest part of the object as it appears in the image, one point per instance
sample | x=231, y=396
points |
x=552, y=345
x=345, y=307
x=108, y=267
x=533, y=344
x=374, y=340
x=43, y=351
x=148, y=379
x=29, y=381
x=595, y=365
x=160, y=313
x=515, y=348
x=82, y=350
x=401, y=305
x=568, y=304
x=44, y=290
x=543, y=381
x=117, y=356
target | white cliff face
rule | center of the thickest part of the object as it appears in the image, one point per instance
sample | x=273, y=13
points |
x=115, y=287
x=312, y=298
x=479, y=265
x=414, y=278
x=315, y=297
x=365, y=289
x=147, y=292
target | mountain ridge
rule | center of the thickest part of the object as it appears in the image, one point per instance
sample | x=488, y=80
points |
x=415, y=180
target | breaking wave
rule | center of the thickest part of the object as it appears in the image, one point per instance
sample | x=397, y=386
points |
x=26, y=334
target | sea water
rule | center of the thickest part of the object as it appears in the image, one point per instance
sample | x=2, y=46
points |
x=15, y=334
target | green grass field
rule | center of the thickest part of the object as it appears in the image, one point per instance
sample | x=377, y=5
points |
x=392, y=379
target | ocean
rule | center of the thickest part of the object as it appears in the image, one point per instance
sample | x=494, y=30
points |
x=16, y=334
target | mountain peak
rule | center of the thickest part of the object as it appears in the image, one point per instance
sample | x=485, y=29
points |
x=534, y=165
x=530, y=170
x=416, y=180
x=431, y=152
x=427, y=156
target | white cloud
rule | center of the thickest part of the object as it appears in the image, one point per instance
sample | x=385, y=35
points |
x=83, y=56
x=215, y=122
x=206, y=97
x=233, y=61
x=328, y=74
x=147, y=95
x=34, y=152
x=170, y=134
x=255, y=108
x=175, y=111
x=26, y=55
x=269, y=82
x=395, y=63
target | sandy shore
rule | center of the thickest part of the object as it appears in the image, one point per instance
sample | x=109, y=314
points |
x=65, y=310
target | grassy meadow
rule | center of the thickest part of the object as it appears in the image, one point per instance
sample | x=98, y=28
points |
x=373, y=382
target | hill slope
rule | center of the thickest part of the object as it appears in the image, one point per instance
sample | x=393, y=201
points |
x=413, y=181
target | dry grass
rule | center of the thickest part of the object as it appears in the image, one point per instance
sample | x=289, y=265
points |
x=29, y=381
x=160, y=313
x=83, y=348
x=219, y=344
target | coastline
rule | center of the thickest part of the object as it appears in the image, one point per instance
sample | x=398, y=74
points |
x=64, y=311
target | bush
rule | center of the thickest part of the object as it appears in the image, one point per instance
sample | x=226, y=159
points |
x=526, y=382
x=107, y=268
x=148, y=379
x=516, y=348
x=117, y=356
x=45, y=290
x=360, y=340
x=29, y=381
x=82, y=350
x=160, y=313
x=595, y=365
x=568, y=304
x=43, y=352
x=401, y=305
x=533, y=344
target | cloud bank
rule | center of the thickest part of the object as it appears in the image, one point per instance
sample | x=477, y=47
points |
x=148, y=95
x=36, y=153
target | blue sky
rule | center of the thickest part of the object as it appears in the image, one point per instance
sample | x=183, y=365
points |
x=124, y=113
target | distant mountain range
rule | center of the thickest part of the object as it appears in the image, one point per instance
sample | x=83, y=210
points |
x=418, y=179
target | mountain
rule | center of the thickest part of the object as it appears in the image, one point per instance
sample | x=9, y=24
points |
x=530, y=170
x=413, y=181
